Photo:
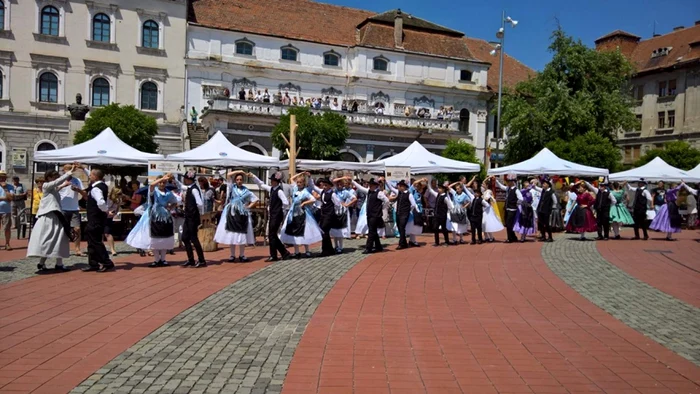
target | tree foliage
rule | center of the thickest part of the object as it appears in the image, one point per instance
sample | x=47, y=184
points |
x=462, y=151
x=591, y=149
x=129, y=124
x=320, y=137
x=679, y=154
x=580, y=91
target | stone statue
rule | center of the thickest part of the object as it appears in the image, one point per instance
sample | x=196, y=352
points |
x=78, y=110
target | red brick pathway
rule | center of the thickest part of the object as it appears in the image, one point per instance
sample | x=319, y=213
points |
x=473, y=319
x=56, y=330
x=676, y=273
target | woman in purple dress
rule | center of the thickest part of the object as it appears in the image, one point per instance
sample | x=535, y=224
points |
x=525, y=218
x=668, y=219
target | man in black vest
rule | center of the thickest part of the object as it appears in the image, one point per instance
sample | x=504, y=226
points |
x=405, y=203
x=642, y=198
x=548, y=200
x=96, y=208
x=475, y=212
x=443, y=204
x=193, y=208
x=277, y=205
x=375, y=203
x=513, y=199
x=603, y=201
x=328, y=202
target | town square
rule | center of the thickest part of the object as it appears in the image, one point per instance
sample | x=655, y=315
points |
x=346, y=196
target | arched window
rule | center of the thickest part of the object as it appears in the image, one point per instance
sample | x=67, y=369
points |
x=244, y=48
x=381, y=64
x=43, y=167
x=100, y=92
x=2, y=15
x=464, y=121
x=101, y=28
x=349, y=157
x=49, y=21
x=149, y=96
x=150, y=35
x=331, y=59
x=289, y=53
x=48, y=88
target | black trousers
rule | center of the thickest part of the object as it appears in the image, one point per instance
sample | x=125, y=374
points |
x=273, y=239
x=640, y=222
x=401, y=222
x=326, y=242
x=97, y=253
x=510, y=223
x=373, y=241
x=603, y=222
x=543, y=224
x=476, y=228
x=440, y=226
x=190, y=238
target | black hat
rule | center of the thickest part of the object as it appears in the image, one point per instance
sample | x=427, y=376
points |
x=276, y=176
x=641, y=180
x=372, y=181
x=402, y=183
x=324, y=180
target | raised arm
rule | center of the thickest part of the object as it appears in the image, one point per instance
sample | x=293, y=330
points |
x=260, y=183
x=311, y=185
x=689, y=189
x=392, y=188
x=500, y=185
x=359, y=187
x=631, y=188
x=430, y=190
x=412, y=200
x=49, y=186
x=591, y=187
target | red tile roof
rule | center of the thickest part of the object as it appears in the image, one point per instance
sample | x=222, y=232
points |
x=382, y=36
x=513, y=70
x=615, y=34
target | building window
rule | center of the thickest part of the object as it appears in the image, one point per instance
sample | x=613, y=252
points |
x=48, y=88
x=639, y=122
x=380, y=64
x=672, y=87
x=289, y=53
x=331, y=59
x=662, y=89
x=244, y=48
x=632, y=153
x=639, y=94
x=43, y=167
x=100, y=92
x=671, y=119
x=465, y=75
x=149, y=96
x=2, y=15
x=662, y=120
x=1, y=85
x=464, y=121
x=101, y=28
x=151, y=34
x=49, y=21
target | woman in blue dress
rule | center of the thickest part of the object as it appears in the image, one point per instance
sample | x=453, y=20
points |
x=236, y=224
x=571, y=197
x=458, y=215
x=300, y=227
x=154, y=230
x=347, y=198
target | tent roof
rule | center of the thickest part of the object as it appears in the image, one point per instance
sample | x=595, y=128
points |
x=422, y=161
x=220, y=152
x=546, y=162
x=106, y=148
x=695, y=172
x=656, y=170
x=329, y=165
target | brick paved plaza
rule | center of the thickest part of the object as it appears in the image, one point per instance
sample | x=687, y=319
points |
x=566, y=317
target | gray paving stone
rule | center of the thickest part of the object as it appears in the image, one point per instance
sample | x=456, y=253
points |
x=239, y=340
x=666, y=319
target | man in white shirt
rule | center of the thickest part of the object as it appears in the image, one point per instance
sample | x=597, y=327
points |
x=96, y=207
x=70, y=199
x=643, y=202
x=513, y=198
x=194, y=207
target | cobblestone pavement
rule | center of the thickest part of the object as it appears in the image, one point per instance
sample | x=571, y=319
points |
x=669, y=321
x=239, y=340
x=24, y=267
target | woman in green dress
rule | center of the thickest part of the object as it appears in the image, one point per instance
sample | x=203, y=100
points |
x=619, y=215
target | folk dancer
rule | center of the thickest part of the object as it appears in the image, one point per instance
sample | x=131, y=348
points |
x=458, y=215
x=347, y=198
x=300, y=227
x=545, y=208
x=692, y=208
x=513, y=199
x=277, y=204
x=668, y=220
x=443, y=205
x=525, y=222
x=190, y=228
x=570, y=203
x=329, y=202
x=405, y=204
x=491, y=222
x=604, y=200
x=643, y=203
x=236, y=224
x=582, y=219
x=96, y=207
x=659, y=195
x=475, y=210
x=374, y=203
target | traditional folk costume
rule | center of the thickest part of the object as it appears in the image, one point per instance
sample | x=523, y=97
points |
x=475, y=212
x=276, y=206
x=582, y=219
x=491, y=222
x=525, y=218
x=154, y=230
x=341, y=230
x=555, y=220
x=236, y=224
x=375, y=201
x=362, y=226
x=190, y=227
x=96, y=208
x=300, y=227
x=443, y=205
x=619, y=215
x=668, y=220
x=405, y=205
x=458, y=214
x=546, y=208
x=328, y=204
x=513, y=199
x=51, y=232
x=570, y=205
x=641, y=208
x=604, y=200
x=692, y=205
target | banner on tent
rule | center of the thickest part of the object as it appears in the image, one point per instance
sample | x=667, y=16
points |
x=158, y=168
x=395, y=174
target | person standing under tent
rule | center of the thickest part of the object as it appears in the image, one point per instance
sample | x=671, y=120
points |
x=643, y=202
x=491, y=223
x=236, y=224
x=604, y=200
x=300, y=227
x=329, y=201
x=513, y=199
x=347, y=199
x=582, y=219
x=190, y=227
x=668, y=219
x=443, y=205
x=96, y=207
x=570, y=202
x=52, y=232
x=475, y=210
x=545, y=209
x=276, y=206
x=405, y=204
x=155, y=231
x=458, y=215
x=525, y=222
x=373, y=210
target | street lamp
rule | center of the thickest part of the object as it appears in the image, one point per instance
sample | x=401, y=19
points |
x=501, y=35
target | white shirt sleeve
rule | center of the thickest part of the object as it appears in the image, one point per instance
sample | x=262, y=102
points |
x=412, y=200
x=613, y=200
x=96, y=194
x=469, y=194
x=431, y=191
x=690, y=189
x=519, y=195
x=359, y=187
x=648, y=196
x=554, y=200
x=336, y=200
x=261, y=184
x=392, y=188
x=450, y=206
x=383, y=197
x=634, y=189
x=591, y=187
x=537, y=188
x=485, y=203
x=283, y=198
x=198, y=199
x=312, y=186
x=501, y=186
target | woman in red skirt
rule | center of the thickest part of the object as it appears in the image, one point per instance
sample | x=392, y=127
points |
x=582, y=220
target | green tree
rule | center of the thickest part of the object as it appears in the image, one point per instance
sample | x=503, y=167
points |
x=590, y=149
x=581, y=90
x=129, y=124
x=320, y=137
x=679, y=154
x=462, y=151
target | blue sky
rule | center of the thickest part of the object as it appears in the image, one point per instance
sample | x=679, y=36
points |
x=528, y=42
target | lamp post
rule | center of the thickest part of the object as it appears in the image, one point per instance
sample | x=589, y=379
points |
x=501, y=35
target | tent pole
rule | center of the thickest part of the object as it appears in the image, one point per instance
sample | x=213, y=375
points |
x=292, y=146
x=31, y=202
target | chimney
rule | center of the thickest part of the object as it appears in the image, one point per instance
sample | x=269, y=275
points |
x=678, y=28
x=697, y=22
x=657, y=35
x=398, y=29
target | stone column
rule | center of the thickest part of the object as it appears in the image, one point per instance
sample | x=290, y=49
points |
x=73, y=127
x=369, y=156
x=480, y=136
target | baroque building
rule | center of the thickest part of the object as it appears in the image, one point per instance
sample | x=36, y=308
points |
x=396, y=77
x=125, y=51
x=666, y=87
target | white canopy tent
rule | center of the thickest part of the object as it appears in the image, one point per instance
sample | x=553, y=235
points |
x=321, y=165
x=220, y=152
x=546, y=162
x=422, y=161
x=655, y=170
x=695, y=172
x=105, y=149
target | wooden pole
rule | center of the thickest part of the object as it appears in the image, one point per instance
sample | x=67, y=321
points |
x=292, y=147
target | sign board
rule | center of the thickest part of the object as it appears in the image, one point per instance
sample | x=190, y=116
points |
x=395, y=174
x=19, y=158
x=158, y=168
